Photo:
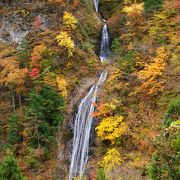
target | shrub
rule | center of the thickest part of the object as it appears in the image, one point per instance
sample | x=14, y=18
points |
x=64, y=40
x=152, y=4
x=101, y=174
x=9, y=169
x=13, y=136
x=88, y=46
x=134, y=9
x=173, y=112
x=69, y=21
x=116, y=46
x=165, y=161
x=111, y=160
x=31, y=159
x=129, y=62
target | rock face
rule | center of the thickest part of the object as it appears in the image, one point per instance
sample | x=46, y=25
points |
x=80, y=91
x=14, y=28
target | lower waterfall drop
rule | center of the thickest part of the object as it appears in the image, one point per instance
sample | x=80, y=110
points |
x=82, y=128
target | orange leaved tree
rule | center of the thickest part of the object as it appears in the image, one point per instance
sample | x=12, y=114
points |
x=13, y=77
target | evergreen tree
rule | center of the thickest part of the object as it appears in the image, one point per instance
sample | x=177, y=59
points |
x=9, y=169
x=45, y=111
x=13, y=136
x=152, y=4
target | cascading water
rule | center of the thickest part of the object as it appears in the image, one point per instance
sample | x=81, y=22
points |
x=82, y=128
x=104, y=49
x=84, y=117
x=83, y=121
x=96, y=4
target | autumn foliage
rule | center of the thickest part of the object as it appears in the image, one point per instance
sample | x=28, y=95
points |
x=64, y=39
x=34, y=72
x=69, y=21
x=62, y=86
x=134, y=9
x=55, y=67
x=111, y=128
x=111, y=159
x=152, y=72
x=12, y=75
x=36, y=55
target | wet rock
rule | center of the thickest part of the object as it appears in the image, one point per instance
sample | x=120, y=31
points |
x=79, y=92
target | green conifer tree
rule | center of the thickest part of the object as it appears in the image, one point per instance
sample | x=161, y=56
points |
x=9, y=169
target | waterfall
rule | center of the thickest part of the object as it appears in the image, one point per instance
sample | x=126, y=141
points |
x=96, y=4
x=104, y=49
x=84, y=117
x=82, y=128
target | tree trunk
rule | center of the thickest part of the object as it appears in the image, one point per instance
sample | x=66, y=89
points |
x=20, y=102
x=13, y=102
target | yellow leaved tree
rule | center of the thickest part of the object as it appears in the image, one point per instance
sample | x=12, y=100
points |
x=49, y=78
x=62, y=86
x=111, y=159
x=151, y=73
x=69, y=21
x=111, y=128
x=134, y=8
x=64, y=40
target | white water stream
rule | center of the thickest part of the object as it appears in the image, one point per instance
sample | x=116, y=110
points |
x=84, y=117
x=104, y=50
x=96, y=5
x=82, y=128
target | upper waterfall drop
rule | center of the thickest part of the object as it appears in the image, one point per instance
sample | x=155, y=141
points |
x=96, y=4
x=104, y=49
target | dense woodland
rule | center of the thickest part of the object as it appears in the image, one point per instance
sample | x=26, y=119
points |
x=136, y=131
